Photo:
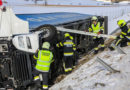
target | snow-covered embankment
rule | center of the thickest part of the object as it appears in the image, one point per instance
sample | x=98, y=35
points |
x=93, y=76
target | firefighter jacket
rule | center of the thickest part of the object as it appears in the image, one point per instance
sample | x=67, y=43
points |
x=44, y=60
x=125, y=32
x=68, y=46
x=96, y=28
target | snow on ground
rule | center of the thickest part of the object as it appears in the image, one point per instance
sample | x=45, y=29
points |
x=57, y=2
x=93, y=76
x=124, y=2
x=75, y=2
x=18, y=2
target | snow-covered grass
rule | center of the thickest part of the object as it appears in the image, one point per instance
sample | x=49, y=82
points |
x=93, y=76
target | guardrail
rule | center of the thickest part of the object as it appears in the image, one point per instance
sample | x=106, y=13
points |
x=108, y=67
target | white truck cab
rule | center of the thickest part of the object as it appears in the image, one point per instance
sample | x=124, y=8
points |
x=16, y=30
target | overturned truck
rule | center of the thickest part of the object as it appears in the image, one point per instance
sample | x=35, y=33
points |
x=19, y=40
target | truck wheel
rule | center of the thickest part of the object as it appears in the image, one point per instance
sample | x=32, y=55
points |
x=49, y=32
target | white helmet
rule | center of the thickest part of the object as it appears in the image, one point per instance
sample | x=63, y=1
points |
x=94, y=18
x=46, y=45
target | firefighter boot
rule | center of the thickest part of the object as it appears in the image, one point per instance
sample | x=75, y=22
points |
x=102, y=48
x=96, y=51
x=44, y=87
x=111, y=48
x=128, y=43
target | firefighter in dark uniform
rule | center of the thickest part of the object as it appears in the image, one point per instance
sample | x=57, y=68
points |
x=124, y=38
x=44, y=59
x=68, y=50
x=97, y=28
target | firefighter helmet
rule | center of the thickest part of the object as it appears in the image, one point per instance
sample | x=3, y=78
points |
x=46, y=45
x=67, y=35
x=121, y=23
x=94, y=18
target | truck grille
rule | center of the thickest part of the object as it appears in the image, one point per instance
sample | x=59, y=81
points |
x=21, y=68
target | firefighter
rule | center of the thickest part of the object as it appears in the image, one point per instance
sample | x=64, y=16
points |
x=44, y=59
x=68, y=52
x=124, y=38
x=96, y=27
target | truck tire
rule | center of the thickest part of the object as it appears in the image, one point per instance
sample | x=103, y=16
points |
x=49, y=32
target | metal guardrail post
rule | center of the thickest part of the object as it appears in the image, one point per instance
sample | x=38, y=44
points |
x=106, y=25
x=118, y=49
x=108, y=67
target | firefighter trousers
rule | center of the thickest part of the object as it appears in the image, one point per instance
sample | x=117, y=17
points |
x=68, y=63
x=122, y=42
x=45, y=76
x=97, y=42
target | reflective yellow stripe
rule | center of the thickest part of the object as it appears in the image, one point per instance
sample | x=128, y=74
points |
x=128, y=37
x=102, y=45
x=118, y=42
x=123, y=33
x=44, y=61
x=43, y=65
x=67, y=54
x=113, y=47
x=66, y=43
x=57, y=45
x=36, y=78
x=128, y=43
x=96, y=48
x=74, y=48
x=90, y=29
x=68, y=69
x=94, y=37
x=45, y=86
x=128, y=31
x=71, y=37
x=35, y=57
x=121, y=36
x=61, y=44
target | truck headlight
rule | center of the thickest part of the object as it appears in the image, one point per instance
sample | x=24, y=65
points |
x=21, y=42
